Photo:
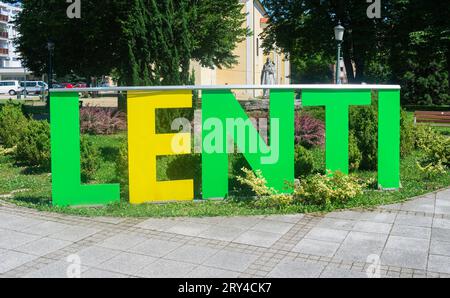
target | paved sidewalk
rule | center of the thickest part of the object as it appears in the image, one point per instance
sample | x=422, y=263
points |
x=405, y=240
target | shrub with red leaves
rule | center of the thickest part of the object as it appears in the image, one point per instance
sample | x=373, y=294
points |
x=101, y=121
x=309, y=131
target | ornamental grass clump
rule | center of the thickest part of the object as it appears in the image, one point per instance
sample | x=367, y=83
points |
x=101, y=121
x=266, y=197
x=309, y=131
x=324, y=190
x=318, y=190
x=435, y=159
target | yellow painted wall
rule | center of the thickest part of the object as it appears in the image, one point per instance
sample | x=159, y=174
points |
x=245, y=72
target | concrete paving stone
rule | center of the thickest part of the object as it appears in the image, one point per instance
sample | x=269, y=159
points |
x=191, y=254
x=229, y=260
x=381, y=217
x=47, y=228
x=325, y=234
x=188, y=228
x=155, y=248
x=204, y=220
x=272, y=226
x=424, y=204
x=126, y=263
x=110, y=220
x=414, y=220
x=440, y=234
x=411, y=232
x=11, y=260
x=362, y=239
x=349, y=215
x=444, y=210
x=443, y=202
x=222, y=233
x=443, y=195
x=94, y=255
x=11, y=239
x=440, y=248
x=157, y=224
x=100, y=274
x=439, y=264
x=75, y=233
x=334, y=223
x=122, y=242
x=209, y=272
x=289, y=218
x=258, y=238
x=409, y=244
x=372, y=227
x=166, y=269
x=357, y=253
x=334, y=272
x=240, y=222
x=392, y=207
x=405, y=258
x=57, y=269
x=43, y=246
x=296, y=269
x=17, y=223
x=316, y=247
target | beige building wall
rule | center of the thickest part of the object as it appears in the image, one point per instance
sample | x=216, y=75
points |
x=251, y=58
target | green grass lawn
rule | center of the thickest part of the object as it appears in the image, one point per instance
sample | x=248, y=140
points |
x=35, y=190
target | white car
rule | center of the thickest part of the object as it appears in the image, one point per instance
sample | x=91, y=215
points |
x=9, y=87
x=33, y=87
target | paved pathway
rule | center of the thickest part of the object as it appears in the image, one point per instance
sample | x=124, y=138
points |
x=410, y=240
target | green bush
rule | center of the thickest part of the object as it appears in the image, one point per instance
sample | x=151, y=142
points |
x=424, y=136
x=122, y=164
x=12, y=125
x=265, y=197
x=324, y=190
x=304, y=161
x=407, y=134
x=33, y=148
x=90, y=159
x=355, y=155
x=436, y=153
x=319, y=190
x=319, y=158
x=364, y=127
x=237, y=163
x=184, y=167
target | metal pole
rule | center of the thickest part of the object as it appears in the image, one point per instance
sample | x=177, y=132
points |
x=50, y=69
x=338, y=64
x=25, y=83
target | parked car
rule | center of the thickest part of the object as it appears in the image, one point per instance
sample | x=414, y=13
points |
x=33, y=87
x=80, y=85
x=57, y=86
x=66, y=85
x=9, y=87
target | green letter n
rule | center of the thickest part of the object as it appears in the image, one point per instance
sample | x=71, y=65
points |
x=223, y=117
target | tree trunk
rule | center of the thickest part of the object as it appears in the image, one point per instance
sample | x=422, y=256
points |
x=348, y=63
x=360, y=68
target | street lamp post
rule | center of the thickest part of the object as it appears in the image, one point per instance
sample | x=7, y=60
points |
x=339, y=36
x=51, y=48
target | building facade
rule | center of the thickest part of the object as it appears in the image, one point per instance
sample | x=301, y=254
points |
x=10, y=65
x=251, y=58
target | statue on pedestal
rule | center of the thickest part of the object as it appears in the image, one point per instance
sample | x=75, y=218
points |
x=268, y=76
